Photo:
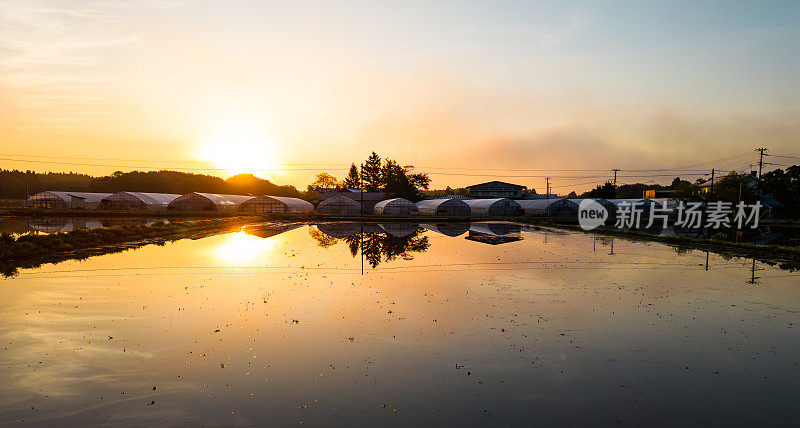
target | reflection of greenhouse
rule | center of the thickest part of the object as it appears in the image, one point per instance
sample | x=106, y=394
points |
x=53, y=225
x=270, y=230
x=344, y=229
x=446, y=207
x=494, y=233
x=66, y=200
x=396, y=206
x=138, y=201
x=339, y=205
x=562, y=208
x=400, y=229
x=449, y=229
x=118, y=221
x=207, y=202
x=276, y=204
x=498, y=207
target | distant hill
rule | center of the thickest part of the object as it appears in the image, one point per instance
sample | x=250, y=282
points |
x=12, y=183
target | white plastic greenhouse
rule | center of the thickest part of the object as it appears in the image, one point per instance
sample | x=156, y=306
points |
x=339, y=205
x=396, y=206
x=498, y=207
x=448, y=207
x=138, y=201
x=563, y=208
x=66, y=200
x=275, y=204
x=207, y=202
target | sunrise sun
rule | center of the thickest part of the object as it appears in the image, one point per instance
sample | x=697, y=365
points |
x=239, y=148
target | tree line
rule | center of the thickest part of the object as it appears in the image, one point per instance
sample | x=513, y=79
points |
x=13, y=183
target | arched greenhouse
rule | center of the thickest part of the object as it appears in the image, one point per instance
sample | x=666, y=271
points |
x=444, y=207
x=562, y=208
x=396, y=206
x=498, y=207
x=138, y=201
x=339, y=205
x=275, y=204
x=207, y=202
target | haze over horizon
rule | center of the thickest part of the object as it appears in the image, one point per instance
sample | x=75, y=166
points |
x=285, y=90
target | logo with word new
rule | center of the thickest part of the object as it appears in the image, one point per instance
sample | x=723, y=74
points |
x=591, y=214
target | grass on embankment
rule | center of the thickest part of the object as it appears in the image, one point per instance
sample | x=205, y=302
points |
x=28, y=251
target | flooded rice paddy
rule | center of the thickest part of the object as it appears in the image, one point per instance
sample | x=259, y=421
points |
x=373, y=325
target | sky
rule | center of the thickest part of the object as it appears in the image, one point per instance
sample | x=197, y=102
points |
x=467, y=91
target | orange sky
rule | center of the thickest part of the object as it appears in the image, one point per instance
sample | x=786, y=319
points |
x=286, y=90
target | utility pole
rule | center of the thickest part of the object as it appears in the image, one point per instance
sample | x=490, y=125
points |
x=761, y=151
x=712, y=181
x=547, y=192
x=361, y=210
x=615, y=177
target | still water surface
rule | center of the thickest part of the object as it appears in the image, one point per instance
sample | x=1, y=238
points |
x=447, y=325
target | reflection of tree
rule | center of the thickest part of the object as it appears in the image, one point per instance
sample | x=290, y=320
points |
x=380, y=248
x=322, y=239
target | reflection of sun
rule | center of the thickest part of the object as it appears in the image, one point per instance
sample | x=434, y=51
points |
x=241, y=249
x=239, y=148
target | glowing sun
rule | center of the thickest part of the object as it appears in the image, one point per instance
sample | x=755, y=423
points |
x=241, y=149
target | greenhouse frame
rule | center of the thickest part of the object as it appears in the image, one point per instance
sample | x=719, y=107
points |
x=207, y=202
x=66, y=200
x=563, y=208
x=339, y=205
x=498, y=207
x=275, y=204
x=444, y=207
x=396, y=206
x=138, y=201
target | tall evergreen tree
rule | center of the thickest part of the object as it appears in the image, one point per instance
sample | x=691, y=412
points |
x=353, y=180
x=371, y=173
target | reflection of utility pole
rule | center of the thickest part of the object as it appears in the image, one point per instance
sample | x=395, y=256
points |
x=547, y=191
x=361, y=239
x=612, y=248
x=706, y=260
x=753, y=276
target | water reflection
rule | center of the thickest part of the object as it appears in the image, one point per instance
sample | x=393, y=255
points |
x=376, y=243
x=494, y=233
x=22, y=226
x=236, y=329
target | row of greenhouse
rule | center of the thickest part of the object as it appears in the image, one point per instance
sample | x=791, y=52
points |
x=337, y=205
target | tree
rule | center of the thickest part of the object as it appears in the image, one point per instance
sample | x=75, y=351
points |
x=371, y=173
x=399, y=181
x=729, y=187
x=784, y=186
x=353, y=180
x=323, y=182
x=572, y=195
x=606, y=191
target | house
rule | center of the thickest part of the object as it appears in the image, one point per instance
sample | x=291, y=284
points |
x=496, y=189
x=656, y=193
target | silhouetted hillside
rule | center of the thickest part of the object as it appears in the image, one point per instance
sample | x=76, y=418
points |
x=12, y=183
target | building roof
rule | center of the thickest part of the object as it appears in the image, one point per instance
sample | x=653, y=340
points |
x=498, y=184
